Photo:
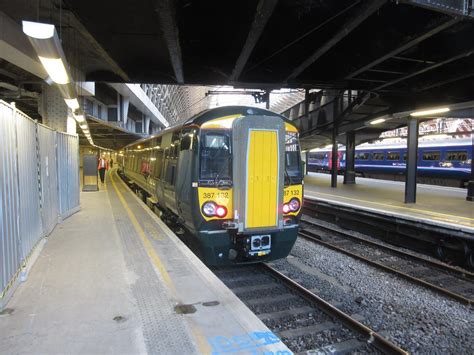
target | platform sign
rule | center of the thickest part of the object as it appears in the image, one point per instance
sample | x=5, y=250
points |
x=89, y=172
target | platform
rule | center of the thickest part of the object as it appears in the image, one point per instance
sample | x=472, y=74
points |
x=114, y=279
x=436, y=205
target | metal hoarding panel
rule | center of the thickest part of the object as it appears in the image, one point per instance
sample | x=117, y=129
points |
x=10, y=257
x=30, y=217
x=49, y=178
x=68, y=173
x=29, y=196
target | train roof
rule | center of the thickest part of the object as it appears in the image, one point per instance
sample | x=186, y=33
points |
x=222, y=111
x=214, y=113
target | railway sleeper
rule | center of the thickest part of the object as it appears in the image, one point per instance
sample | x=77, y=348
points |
x=344, y=347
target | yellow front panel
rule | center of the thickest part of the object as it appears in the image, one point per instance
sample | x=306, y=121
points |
x=262, y=179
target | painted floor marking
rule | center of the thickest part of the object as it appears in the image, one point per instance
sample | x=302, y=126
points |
x=198, y=334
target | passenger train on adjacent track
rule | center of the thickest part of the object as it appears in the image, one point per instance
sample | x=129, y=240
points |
x=439, y=162
x=232, y=176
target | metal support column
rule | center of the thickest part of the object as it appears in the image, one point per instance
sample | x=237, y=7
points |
x=334, y=155
x=470, y=185
x=267, y=99
x=308, y=123
x=349, y=173
x=412, y=161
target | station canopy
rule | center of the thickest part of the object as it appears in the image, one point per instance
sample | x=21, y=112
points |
x=405, y=54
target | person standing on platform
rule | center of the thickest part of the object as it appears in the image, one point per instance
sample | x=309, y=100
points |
x=111, y=163
x=103, y=167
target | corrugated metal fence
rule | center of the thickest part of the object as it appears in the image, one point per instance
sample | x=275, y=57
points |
x=39, y=186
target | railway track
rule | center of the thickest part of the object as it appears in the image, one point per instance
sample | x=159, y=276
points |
x=304, y=321
x=448, y=243
x=442, y=278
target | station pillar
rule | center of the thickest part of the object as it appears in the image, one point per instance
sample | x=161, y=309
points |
x=349, y=173
x=334, y=155
x=54, y=110
x=470, y=185
x=412, y=161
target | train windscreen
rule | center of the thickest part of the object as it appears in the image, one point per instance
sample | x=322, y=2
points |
x=292, y=159
x=216, y=157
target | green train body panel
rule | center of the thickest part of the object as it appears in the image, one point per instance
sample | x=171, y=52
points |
x=170, y=176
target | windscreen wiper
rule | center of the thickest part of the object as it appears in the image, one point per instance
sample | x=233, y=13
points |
x=223, y=184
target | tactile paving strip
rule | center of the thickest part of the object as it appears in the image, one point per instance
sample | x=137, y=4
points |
x=165, y=332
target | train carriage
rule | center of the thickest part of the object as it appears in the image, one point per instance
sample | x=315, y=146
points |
x=439, y=162
x=231, y=175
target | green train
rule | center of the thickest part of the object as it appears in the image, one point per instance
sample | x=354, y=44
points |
x=232, y=176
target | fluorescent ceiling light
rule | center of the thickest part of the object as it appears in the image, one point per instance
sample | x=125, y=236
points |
x=73, y=104
x=38, y=30
x=429, y=112
x=80, y=118
x=377, y=121
x=55, y=69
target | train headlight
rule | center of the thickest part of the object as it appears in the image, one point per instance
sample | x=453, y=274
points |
x=286, y=208
x=221, y=211
x=209, y=209
x=294, y=205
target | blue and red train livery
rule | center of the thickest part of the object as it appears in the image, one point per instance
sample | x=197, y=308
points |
x=446, y=162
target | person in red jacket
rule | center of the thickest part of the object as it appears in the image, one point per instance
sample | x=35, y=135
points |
x=103, y=167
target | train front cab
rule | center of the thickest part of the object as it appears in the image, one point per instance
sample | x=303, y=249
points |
x=250, y=189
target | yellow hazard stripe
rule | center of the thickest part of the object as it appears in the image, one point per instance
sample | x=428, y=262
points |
x=146, y=242
x=201, y=340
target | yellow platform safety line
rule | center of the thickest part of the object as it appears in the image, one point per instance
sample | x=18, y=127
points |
x=146, y=242
x=201, y=340
x=438, y=214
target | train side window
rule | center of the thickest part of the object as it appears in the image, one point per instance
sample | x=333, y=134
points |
x=362, y=156
x=393, y=156
x=378, y=156
x=405, y=156
x=456, y=155
x=158, y=164
x=431, y=155
x=187, y=141
x=170, y=171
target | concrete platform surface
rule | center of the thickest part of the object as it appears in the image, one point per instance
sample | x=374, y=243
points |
x=434, y=204
x=114, y=279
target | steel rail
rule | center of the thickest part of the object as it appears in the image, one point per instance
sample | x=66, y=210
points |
x=372, y=337
x=466, y=274
x=314, y=238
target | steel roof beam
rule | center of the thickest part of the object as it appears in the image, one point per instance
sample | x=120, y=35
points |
x=431, y=67
x=264, y=11
x=169, y=26
x=364, y=12
x=406, y=46
x=447, y=81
